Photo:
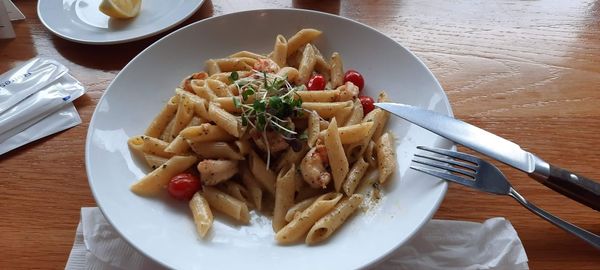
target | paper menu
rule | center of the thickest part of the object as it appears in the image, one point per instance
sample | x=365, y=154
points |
x=13, y=12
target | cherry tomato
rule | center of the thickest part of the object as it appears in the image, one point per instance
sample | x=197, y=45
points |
x=316, y=82
x=183, y=186
x=354, y=77
x=367, y=104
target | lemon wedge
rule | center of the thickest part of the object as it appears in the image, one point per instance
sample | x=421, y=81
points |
x=120, y=9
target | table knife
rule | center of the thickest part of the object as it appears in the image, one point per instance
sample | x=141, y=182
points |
x=574, y=186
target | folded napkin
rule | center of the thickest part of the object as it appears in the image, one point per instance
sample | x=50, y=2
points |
x=440, y=244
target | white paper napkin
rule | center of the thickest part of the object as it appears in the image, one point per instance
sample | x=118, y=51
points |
x=440, y=244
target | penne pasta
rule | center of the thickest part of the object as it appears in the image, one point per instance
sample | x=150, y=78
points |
x=337, y=158
x=198, y=102
x=227, y=104
x=313, y=128
x=262, y=174
x=324, y=109
x=254, y=190
x=216, y=150
x=279, y=54
x=247, y=54
x=319, y=96
x=356, y=115
x=178, y=146
x=154, y=161
x=301, y=38
x=296, y=209
x=285, y=187
x=294, y=230
x=337, y=70
x=206, y=133
x=226, y=204
x=214, y=171
x=154, y=182
x=307, y=65
x=219, y=88
x=149, y=145
x=224, y=120
x=235, y=63
x=325, y=226
x=386, y=161
x=212, y=67
x=352, y=134
x=356, y=173
x=236, y=190
x=160, y=122
x=203, y=217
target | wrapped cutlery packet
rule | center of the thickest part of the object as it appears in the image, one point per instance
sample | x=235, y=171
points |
x=36, y=101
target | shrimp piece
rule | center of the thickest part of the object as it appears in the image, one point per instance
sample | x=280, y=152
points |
x=213, y=172
x=348, y=91
x=276, y=142
x=313, y=167
x=266, y=65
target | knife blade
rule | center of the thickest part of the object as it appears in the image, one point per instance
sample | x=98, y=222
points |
x=574, y=186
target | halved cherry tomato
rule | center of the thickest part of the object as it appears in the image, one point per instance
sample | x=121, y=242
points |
x=354, y=77
x=316, y=82
x=367, y=104
x=183, y=186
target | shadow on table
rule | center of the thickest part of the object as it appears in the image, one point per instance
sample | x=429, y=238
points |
x=116, y=56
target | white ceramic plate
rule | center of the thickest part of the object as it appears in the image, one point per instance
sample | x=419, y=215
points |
x=81, y=21
x=164, y=230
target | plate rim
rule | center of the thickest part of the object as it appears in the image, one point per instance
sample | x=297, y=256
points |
x=375, y=260
x=116, y=41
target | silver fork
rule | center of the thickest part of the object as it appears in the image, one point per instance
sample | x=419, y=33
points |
x=479, y=174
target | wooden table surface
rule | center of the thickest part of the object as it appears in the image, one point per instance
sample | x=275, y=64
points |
x=525, y=70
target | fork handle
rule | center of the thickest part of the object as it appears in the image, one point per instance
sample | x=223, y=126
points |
x=576, y=187
x=584, y=235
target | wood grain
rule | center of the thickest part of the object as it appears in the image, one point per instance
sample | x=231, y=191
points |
x=525, y=70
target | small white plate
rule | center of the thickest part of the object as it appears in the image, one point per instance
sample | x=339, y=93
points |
x=164, y=230
x=81, y=21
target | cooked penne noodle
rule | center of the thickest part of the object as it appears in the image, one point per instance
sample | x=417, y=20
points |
x=227, y=104
x=254, y=190
x=383, y=97
x=325, y=226
x=348, y=91
x=226, y=204
x=243, y=146
x=199, y=87
x=203, y=217
x=216, y=150
x=247, y=54
x=321, y=65
x=301, y=38
x=290, y=157
x=206, y=133
x=319, y=96
x=356, y=173
x=285, y=187
x=279, y=54
x=219, y=88
x=337, y=70
x=178, y=146
x=288, y=72
x=342, y=115
x=335, y=152
x=212, y=67
x=154, y=182
x=356, y=115
x=307, y=65
x=294, y=230
x=324, y=109
x=225, y=77
x=223, y=119
x=154, y=161
x=199, y=103
x=386, y=161
x=369, y=155
x=351, y=134
x=185, y=112
x=262, y=174
x=313, y=128
x=214, y=171
x=296, y=209
x=235, y=64
x=236, y=190
x=149, y=145
x=160, y=122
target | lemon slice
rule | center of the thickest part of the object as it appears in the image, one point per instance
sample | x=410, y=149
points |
x=120, y=9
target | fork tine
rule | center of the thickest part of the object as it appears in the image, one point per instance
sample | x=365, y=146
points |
x=446, y=176
x=454, y=154
x=446, y=167
x=461, y=164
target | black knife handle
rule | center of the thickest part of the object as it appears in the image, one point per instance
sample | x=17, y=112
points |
x=574, y=186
